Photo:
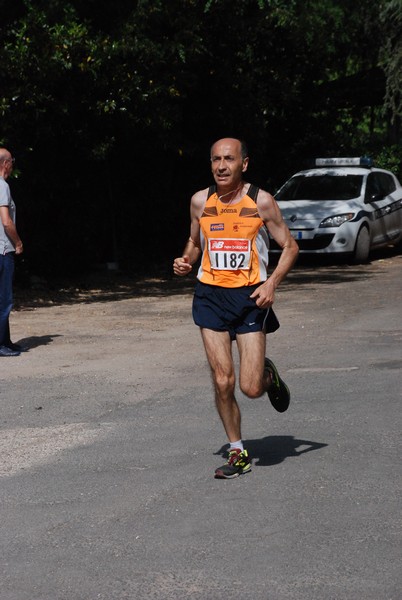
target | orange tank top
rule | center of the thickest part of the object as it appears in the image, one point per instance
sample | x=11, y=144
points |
x=234, y=242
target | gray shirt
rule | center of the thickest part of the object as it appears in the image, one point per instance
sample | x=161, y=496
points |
x=6, y=244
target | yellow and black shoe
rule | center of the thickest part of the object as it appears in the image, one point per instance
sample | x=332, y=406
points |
x=278, y=392
x=238, y=463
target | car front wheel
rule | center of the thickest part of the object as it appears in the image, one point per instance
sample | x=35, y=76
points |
x=362, y=246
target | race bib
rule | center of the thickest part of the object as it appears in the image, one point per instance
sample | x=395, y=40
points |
x=229, y=254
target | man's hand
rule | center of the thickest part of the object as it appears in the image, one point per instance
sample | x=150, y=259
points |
x=19, y=248
x=264, y=295
x=181, y=266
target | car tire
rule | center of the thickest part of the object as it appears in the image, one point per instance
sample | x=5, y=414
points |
x=362, y=246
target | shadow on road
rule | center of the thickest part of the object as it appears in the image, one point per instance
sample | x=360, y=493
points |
x=114, y=286
x=274, y=449
x=99, y=288
x=36, y=340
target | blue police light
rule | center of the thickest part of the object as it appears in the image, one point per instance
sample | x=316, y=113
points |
x=357, y=161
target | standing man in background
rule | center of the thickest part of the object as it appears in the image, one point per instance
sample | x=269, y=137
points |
x=234, y=295
x=10, y=244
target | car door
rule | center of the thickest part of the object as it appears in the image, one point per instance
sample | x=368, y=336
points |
x=392, y=207
x=378, y=202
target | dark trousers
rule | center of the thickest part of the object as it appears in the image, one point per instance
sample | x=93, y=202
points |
x=6, y=295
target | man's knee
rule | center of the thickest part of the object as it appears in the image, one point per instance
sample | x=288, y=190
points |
x=252, y=389
x=224, y=383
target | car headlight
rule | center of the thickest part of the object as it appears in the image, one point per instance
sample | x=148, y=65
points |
x=337, y=220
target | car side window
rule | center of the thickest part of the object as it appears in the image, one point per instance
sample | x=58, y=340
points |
x=373, y=188
x=387, y=183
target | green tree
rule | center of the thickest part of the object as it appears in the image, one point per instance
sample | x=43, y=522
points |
x=111, y=107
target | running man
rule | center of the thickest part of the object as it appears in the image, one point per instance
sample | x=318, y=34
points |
x=233, y=297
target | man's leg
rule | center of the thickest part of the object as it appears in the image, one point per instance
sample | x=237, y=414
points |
x=259, y=374
x=7, y=338
x=218, y=347
x=254, y=380
x=6, y=294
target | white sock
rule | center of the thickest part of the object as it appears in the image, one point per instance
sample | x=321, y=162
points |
x=238, y=444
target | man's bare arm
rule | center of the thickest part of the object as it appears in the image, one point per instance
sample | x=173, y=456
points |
x=269, y=211
x=10, y=229
x=192, y=251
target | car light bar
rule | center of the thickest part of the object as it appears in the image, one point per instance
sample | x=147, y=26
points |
x=357, y=161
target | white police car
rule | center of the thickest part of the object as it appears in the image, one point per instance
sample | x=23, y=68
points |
x=342, y=206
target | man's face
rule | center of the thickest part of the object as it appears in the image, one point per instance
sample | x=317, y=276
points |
x=227, y=163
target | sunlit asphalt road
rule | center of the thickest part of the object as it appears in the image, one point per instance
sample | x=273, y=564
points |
x=109, y=441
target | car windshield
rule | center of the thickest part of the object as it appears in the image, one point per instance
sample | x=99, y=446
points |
x=321, y=187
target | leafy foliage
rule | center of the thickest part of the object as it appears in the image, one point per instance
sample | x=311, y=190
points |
x=111, y=108
x=391, y=56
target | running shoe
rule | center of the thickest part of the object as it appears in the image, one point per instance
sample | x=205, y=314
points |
x=238, y=463
x=278, y=392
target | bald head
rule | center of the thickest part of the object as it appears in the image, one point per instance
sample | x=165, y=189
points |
x=240, y=145
x=4, y=153
x=6, y=163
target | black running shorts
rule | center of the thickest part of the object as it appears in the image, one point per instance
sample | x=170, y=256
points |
x=231, y=309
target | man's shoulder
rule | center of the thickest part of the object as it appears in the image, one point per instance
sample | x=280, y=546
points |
x=201, y=196
x=205, y=191
x=264, y=197
x=256, y=191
